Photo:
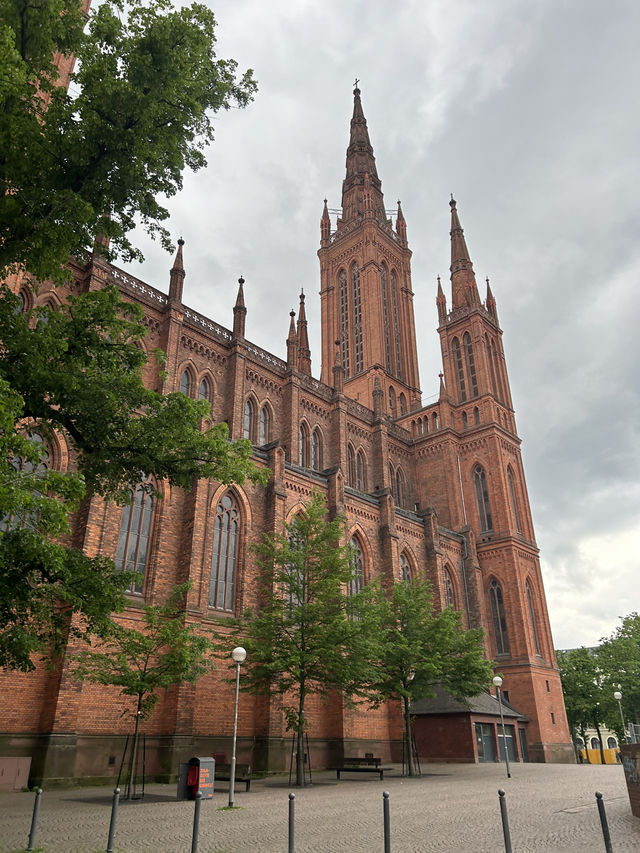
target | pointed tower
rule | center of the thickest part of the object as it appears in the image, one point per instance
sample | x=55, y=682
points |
x=239, y=312
x=367, y=301
x=177, y=274
x=484, y=451
x=304, y=353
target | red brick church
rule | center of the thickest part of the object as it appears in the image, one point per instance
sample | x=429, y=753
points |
x=436, y=491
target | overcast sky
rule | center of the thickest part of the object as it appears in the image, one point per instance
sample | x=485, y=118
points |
x=528, y=114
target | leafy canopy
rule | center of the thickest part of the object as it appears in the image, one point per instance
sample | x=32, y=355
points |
x=77, y=372
x=97, y=158
x=166, y=651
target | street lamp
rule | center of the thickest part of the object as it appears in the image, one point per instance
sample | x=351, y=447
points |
x=497, y=683
x=618, y=696
x=239, y=655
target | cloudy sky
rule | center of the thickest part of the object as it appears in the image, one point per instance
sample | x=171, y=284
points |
x=528, y=113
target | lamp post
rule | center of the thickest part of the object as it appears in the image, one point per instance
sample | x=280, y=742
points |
x=497, y=683
x=618, y=696
x=239, y=655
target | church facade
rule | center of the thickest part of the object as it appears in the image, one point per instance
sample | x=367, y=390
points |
x=436, y=491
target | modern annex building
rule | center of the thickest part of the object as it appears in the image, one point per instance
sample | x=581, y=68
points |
x=437, y=491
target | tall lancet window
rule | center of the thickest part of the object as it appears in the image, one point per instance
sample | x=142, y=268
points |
x=357, y=320
x=532, y=617
x=344, y=320
x=471, y=365
x=512, y=494
x=396, y=324
x=499, y=618
x=459, y=369
x=386, y=317
x=133, y=539
x=357, y=564
x=482, y=497
x=224, y=554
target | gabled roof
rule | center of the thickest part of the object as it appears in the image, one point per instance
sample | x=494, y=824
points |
x=485, y=703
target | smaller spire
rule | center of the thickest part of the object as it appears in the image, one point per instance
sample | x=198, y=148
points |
x=239, y=311
x=464, y=290
x=443, y=389
x=491, y=303
x=325, y=226
x=338, y=369
x=441, y=303
x=378, y=398
x=401, y=225
x=292, y=342
x=304, y=353
x=177, y=274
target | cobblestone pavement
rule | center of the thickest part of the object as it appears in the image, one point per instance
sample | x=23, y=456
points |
x=450, y=809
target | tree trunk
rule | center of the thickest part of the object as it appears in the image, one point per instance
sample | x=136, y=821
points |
x=134, y=753
x=597, y=728
x=586, y=743
x=300, y=744
x=408, y=741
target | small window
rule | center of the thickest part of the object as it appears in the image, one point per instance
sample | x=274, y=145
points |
x=316, y=450
x=185, y=383
x=392, y=401
x=249, y=418
x=357, y=579
x=264, y=436
x=448, y=590
x=351, y=466
x=361, y=472
x=204, y=390
x=482, y=498
x=303, y=449
x=595, y=743
x=548, y=688
x=400, y=488
x=612, y=743
x=405, y=568
x=553, y=719
x=476, y=415
x=402, y=400
x=499, y=618
x=465, y=421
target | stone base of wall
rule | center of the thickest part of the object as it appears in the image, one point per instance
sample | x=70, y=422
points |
x=552, y=753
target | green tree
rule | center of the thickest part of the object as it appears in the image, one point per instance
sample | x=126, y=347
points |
x=581, y=686
x=619, y=660
x=96, y=158
x=77, y=371
x=302, y=639
x=166, y=652
x=417, y=649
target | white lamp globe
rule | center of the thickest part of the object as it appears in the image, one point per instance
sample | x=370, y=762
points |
x=497, y=681
x=239, y=654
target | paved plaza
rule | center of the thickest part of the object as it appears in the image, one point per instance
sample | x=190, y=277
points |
x=450, y=809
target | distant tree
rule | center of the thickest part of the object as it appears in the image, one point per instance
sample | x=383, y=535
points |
x=619, y=661
x=96, y=159
x=76, y=371
x=302, y=639
x=583, y=696
x=165, y=652
x=417, y=648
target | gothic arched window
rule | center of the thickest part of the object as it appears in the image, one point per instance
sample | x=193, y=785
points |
x=482, y=498
x=357, y=579
x=357, y=319
x=457, y=363
x=392, y=401
x=512, y=495
x=532, y=617
x=303, y=448
x=498, y=618
x=396, y=324
x=405, y=568
x=476, y=415
x=449, y=595
x=185, y=383
x=316, y=450
x=400, y=488
x=249, y=419
x=471, y=365
x=402, y=400
x=344, y=320
x=361, y=472
x=224, y=555
x=134, y=538
x=386, y=317
x=204, y=389
x=465, y=420
x=351, y=466
x=264, y=427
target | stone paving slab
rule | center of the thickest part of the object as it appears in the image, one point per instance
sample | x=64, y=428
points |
x=450, y=809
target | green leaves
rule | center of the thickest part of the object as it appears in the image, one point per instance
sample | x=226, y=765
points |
x=139, y=111
x=165, y=651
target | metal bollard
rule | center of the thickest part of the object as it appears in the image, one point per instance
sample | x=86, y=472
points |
x=34, y=820
x=196, y=823
x=112, y=822
x=292, y=798
x=385, y=817
x=505, y=821
x=603, y=822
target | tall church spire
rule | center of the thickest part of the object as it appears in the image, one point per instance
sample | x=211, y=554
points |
x=464, y=290
x=304, y=353
x=360, y=162
x=177, y=274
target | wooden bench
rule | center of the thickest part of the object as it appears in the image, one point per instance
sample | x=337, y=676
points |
x=367, y=764
x=243, y=773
